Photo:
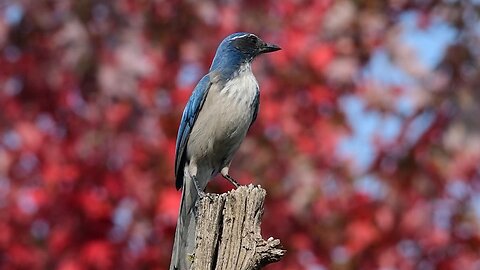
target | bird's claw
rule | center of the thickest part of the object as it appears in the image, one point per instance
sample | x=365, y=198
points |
x=201, y=194
x=231, y=180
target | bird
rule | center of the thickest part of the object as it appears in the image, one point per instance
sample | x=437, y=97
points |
x=221, y=109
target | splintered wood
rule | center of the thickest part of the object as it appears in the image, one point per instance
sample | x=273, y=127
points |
x=228, y=232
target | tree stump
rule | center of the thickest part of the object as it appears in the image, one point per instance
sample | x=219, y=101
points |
x=228, y=232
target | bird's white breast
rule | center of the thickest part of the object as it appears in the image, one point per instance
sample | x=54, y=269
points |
x=237, y=97
x=224, y=119
x=242, y=87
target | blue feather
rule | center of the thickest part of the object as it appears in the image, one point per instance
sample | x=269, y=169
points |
x=190, y=114
x=213, y=137
x=228, y=59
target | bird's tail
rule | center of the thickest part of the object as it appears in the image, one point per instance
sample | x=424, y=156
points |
x=184, y=243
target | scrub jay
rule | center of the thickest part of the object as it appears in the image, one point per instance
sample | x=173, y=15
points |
x=221, y=109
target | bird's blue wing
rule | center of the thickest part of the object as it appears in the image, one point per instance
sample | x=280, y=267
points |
x=190, y=114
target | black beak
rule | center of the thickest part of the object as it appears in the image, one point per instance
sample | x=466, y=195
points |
x=267, y=48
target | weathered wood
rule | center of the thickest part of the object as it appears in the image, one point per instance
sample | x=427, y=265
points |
x=228, y=232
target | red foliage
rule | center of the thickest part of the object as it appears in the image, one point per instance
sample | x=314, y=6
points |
x=92, y=93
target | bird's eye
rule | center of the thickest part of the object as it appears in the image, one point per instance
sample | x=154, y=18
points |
x=252, y=39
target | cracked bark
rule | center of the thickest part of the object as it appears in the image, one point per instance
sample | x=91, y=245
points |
x=227, y=234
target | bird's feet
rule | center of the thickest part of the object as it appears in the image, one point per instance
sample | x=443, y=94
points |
x=231, y=180
x=200, y=192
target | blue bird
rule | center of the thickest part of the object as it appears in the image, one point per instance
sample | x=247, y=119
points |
x=221, y=109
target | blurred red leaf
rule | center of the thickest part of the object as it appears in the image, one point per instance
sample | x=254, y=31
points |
x=118, y=113
x=95, y=204
x=70, y=264
x=5, y=235
x=168, y=204
x=384, y=218
x=92, y=96
x=360, y=234
x=31, y=136
x=60, y=238
x=98, y=255
x=321, y=56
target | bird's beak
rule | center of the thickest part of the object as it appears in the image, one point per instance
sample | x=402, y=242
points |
x=267, y=48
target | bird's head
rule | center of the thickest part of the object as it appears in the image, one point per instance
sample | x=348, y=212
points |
x=239, y=48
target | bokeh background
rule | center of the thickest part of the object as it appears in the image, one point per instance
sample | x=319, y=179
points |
x=367, y=140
